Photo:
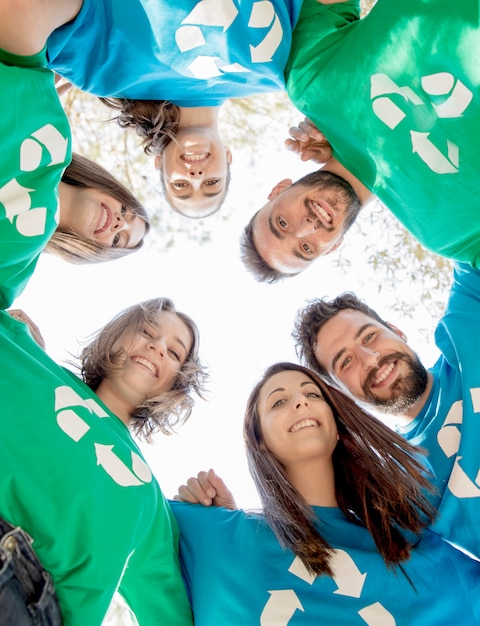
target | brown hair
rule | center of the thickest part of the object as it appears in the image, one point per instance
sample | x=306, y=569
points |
x=155, y=121
x=102, y=357
x=83, y=172
x=379, y=481
x=311, y=319
x=254, y=263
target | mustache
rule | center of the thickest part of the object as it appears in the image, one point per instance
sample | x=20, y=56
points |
x=313, y=218
x=389, y=358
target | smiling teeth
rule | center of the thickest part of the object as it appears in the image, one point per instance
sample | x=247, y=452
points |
x=322, y=212
x=381, y=378
x=147, y=364
x=304, y=424
x=191, y=158
x=105, y=218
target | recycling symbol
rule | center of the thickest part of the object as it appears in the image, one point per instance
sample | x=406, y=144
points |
x=66, y=399
x=448, y=437
x=283, y=603
x=193, y=34
x=452, y=99
x=17, y=200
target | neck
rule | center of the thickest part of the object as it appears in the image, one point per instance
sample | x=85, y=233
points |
x=364, y=195
x=198, y=116
x=66, y=195
x=315, y=480
x=114, y=402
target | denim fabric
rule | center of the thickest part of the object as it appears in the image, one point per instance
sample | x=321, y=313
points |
x=27, y=594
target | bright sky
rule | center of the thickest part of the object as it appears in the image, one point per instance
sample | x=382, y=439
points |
x=244, y=326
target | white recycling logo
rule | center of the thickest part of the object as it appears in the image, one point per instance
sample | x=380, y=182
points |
x=212, y=13
x=75, y=427
x=283, y=603
x=448, y=438
x=30, y=221
x=456, y=98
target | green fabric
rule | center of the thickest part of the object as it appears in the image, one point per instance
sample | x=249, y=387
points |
x=397, y=95
x=36, y=148
x=70, y=474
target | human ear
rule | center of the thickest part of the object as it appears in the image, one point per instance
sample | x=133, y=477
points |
x=280, y=188
x=335, y=246
x=158, y=161
x=228, y=152
x=398, y=332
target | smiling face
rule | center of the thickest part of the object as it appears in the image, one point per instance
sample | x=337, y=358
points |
x=96, y=215
x=153, y=358
x=194, y=168
x=296, y=421
x=371, y=361
x=302, y=222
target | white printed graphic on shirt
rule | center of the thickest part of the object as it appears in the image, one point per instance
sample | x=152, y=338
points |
x=17, y=199
x=214, y=14
x=455, y=98
x=282, y=603
x=449, y=438
x=66, y=399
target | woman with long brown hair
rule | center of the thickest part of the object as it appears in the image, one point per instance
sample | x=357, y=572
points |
x=343, y=528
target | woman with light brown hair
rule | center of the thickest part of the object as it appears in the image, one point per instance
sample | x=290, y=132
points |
x=100, y=219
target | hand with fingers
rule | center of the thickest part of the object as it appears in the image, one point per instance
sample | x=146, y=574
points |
x=307, y=141
x=20, y=315
x=208, y=489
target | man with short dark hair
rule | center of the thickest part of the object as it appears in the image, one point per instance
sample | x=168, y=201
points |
x=396, y=94
x=351, y=346
x=302, y=221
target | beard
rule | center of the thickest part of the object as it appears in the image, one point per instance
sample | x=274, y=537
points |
x=404, y=392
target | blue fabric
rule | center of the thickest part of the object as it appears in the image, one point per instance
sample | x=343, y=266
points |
x=27, y=594
x=449, y=424
x=190, y=53
x=237, y=573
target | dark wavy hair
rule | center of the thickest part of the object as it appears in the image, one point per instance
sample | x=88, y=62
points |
x=77, y=249
x=310, y=320
x=102, y=358
x=253, y=261
x=380, y=481
x=155, y=121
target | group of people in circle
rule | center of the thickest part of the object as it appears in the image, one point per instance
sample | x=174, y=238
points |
x=359, y=523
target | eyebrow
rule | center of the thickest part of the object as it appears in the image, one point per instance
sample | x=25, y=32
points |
x=276, y=233
x=356, y=336
x=305, y=382
x=179, y=341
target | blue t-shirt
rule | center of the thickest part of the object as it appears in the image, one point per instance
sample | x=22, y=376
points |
x=449, y=424
x=190, y=53
x=237, y=573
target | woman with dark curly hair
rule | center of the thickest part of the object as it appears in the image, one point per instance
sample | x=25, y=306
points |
x=342, y=536
x=168, y=67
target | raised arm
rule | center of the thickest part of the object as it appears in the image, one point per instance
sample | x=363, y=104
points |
x=26, y=24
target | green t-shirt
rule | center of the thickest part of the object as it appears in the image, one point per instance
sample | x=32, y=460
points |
x=397, y=95
x=70, y=474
